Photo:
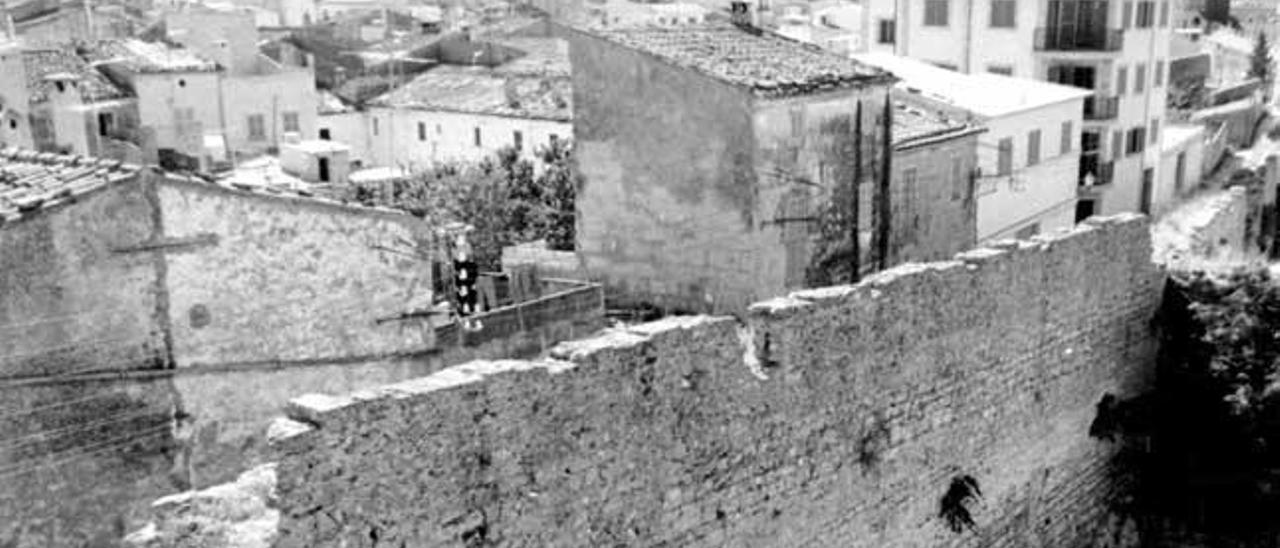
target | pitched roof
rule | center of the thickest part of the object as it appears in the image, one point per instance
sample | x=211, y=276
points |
x=539, y=56
x=32, y=181
x=478, y=90
x=140, y=56
x=769, y=64
x=914, y=126
x=41, y=64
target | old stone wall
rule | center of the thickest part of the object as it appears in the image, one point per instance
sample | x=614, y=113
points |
x=284, y=279
x=936, y=215
x=840, y=416
x=74, y=296
x=1211, y=226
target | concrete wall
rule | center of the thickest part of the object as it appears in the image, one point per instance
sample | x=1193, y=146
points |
x=288, y=279
x=1169, y=190
x=937, y=217
x=68, y=301
x=835, y=417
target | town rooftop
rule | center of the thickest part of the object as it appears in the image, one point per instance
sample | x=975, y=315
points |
x=140, y=56
x=768, y=64
x=31, y=181
x=46, y=67
x=987, y=95
x=479, y=90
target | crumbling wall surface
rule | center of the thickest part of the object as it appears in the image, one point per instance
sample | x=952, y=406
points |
x=1212, y=226
x=839, y=416
x=232, y=515
x=321, y=279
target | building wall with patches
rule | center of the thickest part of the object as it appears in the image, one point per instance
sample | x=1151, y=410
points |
x=933, y=211
x=260, y=278
x=690, y=183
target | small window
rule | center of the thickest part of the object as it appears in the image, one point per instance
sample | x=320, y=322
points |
x=422, y=131
x=1146, y=14
x=1117, y=144
x=13, y=123
x=291, y=121
x=1033, y=147
x=105, y=121
x=1157, y=79
x=886, y=35
x=257, y=127
x=1004, y=163
x=1005, y=70
x=375, y=125
x=518, y=139
x=324, y=134
x=1155, y=131
x=1068, y=136
x=1139, y=78
x=1126, y=17
x=1003, y=14
x=477, y=136
x=935, y=13
x=182, y=83
x=1164, y=13
x=1137, y=140
x=1122, y=77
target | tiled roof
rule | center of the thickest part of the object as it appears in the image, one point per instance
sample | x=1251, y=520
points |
x=42, y=63
x=142, y=56
x=769, y=64
x=478, y=90
x=912, y=125
x=31, y=181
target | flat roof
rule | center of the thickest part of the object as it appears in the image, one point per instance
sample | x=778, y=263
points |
x=987, y=95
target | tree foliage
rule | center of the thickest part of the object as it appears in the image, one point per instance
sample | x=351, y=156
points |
x=504, y=198
x=1261, y=66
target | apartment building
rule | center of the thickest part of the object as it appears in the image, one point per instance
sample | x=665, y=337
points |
x=1117, y=49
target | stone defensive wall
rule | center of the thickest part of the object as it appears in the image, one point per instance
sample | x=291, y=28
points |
x=937, y=404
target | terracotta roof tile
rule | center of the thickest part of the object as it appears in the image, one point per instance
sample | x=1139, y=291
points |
x=41, y=64
x=31, y=181
x=769, y=64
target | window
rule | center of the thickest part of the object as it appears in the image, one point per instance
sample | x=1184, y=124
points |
x=1164, y=13
x=1137, y=140
x=886, y=35
x=324, y=134
x=1155, y=130
x=105, y=121
x=422, y=131
x=375, y=125
x=1004, y=163
x=439, y=131
x=1126, y=16
x=1068, y=135
x=477, y=136
x=1033, y=147
x=1000, y=69
x=257, y=128
x=1139, y=77
x=1122, y=76
x=1117, y=144
x=1158, y=77
x=958, y=185
x=1003, y=14
x=1146, y=14
x=291, y=121
x=935, y=13
x=518, y=139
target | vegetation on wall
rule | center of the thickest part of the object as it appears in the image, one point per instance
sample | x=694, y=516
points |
x=1261, y=66
x=1213, y=463
x=502, y=198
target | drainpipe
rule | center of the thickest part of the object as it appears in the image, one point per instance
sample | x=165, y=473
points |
x=968, y=37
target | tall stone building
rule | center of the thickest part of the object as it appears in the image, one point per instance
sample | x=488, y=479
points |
x=719, y=162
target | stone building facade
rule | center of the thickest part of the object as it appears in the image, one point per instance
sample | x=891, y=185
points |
x=708, y=176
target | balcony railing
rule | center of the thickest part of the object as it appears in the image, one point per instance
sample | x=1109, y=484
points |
x=1101, y=107
x=1078, y=39
x=1094, y=171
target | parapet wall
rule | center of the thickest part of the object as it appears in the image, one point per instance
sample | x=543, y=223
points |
x=832, y=417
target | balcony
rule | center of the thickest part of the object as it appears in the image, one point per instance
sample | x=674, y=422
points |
x=1101, y=107
x=1078, y=39
x=1092, y=164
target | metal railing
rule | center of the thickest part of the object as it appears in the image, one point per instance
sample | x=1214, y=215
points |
x=1101, y=107
x=1078, y=39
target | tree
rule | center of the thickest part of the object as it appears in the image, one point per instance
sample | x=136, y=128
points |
x=1260, y=62
x=504, y=198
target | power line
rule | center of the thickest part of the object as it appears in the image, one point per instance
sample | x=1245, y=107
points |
x=118, y=417
x=80, y=453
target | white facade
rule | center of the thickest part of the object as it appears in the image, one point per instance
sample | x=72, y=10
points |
x=180, y=107
x=262, y=110
x=417, y=140
x=1121, y=54
x=350, y=128
x=1181, y=163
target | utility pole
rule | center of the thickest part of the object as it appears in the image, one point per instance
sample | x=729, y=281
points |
x=855, y=245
